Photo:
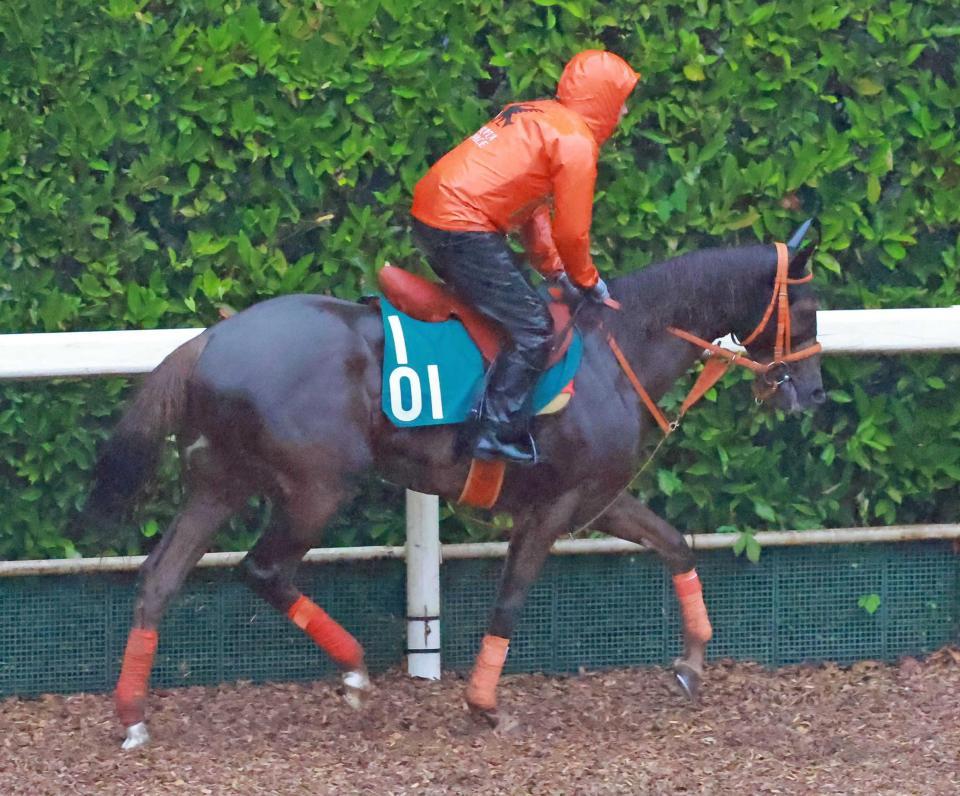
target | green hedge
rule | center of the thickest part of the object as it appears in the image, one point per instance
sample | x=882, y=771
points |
x=161, y=159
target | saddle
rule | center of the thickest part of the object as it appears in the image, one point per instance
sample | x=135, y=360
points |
x=430, y=302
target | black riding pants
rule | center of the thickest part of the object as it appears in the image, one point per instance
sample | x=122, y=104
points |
x=486, y=274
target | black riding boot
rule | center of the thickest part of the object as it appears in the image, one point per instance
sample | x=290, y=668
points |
x=484, y=272
x=503, y=427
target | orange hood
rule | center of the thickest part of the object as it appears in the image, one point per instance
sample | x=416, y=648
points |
x=595, y=84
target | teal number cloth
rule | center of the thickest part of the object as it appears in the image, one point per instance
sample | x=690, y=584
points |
x=433, y=373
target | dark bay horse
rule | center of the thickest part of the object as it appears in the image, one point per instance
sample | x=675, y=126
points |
x=284, y=400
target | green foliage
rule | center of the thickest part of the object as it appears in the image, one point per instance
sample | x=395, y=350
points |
x=869, y=603
x=160, y=159
x=747, y=543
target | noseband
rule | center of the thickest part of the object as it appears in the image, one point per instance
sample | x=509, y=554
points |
x=773, y=373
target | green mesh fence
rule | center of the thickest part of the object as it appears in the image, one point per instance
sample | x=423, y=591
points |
x=65, y=634
x=797, y=604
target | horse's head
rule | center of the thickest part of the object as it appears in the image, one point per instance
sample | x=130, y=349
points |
x=785, y=342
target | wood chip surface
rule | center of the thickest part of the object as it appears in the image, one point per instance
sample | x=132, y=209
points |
x=867, y=729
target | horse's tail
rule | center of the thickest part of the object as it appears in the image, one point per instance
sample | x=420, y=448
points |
x=129, y=458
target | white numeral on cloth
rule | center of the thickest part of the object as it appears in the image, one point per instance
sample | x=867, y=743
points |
x=436, y=400
x=416, y=400
x=398, y=341
x=403, y=371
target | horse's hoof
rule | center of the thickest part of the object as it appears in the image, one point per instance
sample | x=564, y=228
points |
x=137, y=736
x=688, y=679
x=357, y=688
x=488, y=716
x=506, y=724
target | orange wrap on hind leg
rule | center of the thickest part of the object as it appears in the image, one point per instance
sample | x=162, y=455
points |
x=326, y=632
x=130, y=695
x=696, y=623
x=482, y=690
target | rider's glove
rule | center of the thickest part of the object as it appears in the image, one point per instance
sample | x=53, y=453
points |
x=569, y=292
x=599, y=293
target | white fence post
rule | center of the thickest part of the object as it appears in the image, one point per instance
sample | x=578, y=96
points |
x=423, y=585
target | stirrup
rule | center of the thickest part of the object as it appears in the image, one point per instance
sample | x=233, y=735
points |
x=488, y=446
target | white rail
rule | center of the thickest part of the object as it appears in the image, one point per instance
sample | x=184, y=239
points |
x=480, y=550
x=903, y=331
x=45, y=356
x=79, y=354
x=42, y=356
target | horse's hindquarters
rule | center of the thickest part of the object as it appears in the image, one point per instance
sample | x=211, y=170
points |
x=291, y=385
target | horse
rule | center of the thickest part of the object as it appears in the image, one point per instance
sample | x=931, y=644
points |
x=283, y=400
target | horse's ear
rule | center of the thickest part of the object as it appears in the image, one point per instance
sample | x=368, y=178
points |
x=799, y=257
x=797, y=238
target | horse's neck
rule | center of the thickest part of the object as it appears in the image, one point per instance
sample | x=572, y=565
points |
x=710, y=295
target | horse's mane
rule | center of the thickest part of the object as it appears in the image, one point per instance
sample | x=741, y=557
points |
x=680, y=290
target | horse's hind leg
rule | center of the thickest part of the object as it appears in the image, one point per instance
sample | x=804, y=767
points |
x=269, y=569
x=629, y=519
x=161, y=577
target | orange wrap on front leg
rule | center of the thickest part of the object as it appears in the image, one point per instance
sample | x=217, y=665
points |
x=696, y=623
x=343, y=648
x=482, y=690
x=130, y=695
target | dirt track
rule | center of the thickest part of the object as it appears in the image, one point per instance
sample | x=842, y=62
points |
x=871, y=729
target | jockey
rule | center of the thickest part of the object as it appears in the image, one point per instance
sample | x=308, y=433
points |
x=500, y=179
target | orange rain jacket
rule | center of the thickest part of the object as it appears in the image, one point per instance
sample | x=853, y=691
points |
x=502, y=177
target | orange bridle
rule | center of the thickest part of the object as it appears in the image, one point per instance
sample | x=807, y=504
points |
x=721, y=358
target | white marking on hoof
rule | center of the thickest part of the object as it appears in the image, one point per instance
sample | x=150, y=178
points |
x=358, y=688
x=684, y=663
x=201, y=443
x=137, y=736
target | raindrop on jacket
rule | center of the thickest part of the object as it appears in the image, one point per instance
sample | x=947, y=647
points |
x=502, y=177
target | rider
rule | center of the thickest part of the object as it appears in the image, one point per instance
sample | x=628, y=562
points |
x=500, y=179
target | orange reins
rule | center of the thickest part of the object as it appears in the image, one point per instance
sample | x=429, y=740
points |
x=721, y=358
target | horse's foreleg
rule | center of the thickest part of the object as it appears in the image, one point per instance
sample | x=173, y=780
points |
x=630, y=519
x=161, y=577
x=269, y=569
x=528, y=549
x=525, y=556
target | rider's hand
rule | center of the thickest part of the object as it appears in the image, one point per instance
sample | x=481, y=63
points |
x=599, y=293
x=569, y=292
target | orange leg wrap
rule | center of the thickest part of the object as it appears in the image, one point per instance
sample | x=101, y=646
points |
x=482, y=690
x=333, y=639
x=130, y=696
x=696, y=623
